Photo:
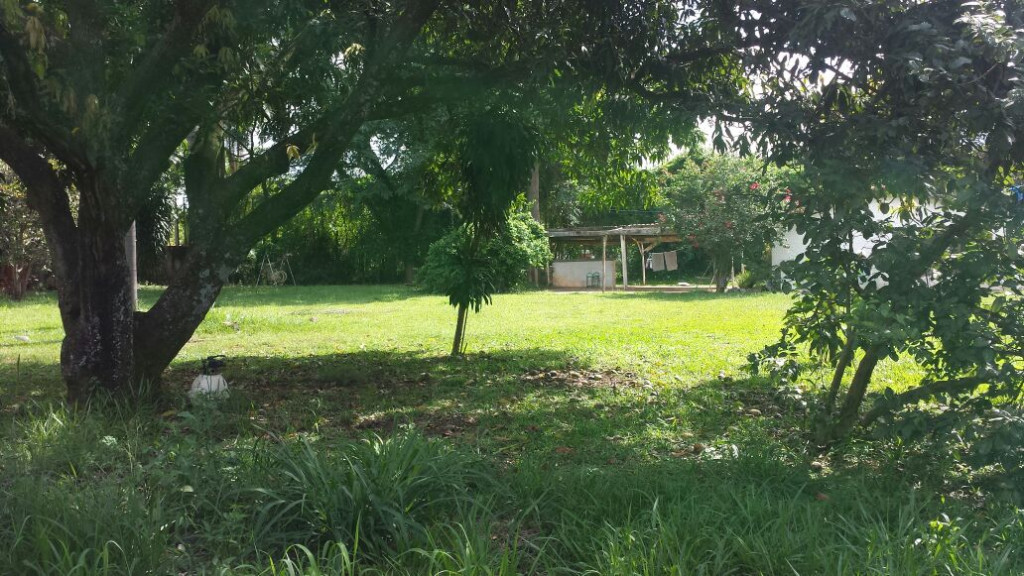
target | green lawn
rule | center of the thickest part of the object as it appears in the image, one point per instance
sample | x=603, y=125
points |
x=583, y=433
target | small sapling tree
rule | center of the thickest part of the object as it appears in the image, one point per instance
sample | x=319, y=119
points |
x=471, y=273
x=487, y=165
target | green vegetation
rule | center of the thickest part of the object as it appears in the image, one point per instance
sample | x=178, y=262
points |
x=470, y=264
x=582, y=433
x=23, y=250
x=724, y=204
x=911, y=218
x=250, y=110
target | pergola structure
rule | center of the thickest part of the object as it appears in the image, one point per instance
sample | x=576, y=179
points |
x=644, y=236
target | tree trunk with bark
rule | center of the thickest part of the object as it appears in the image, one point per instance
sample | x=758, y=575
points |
x=721, y=274
x=533, y=199
x=98, y=351
x=839, y=426
x=460, y=330
x=14, y=280
x=410, y=266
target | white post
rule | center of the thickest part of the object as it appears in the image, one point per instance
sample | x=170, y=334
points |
x=604, y=260
x=625, y=272
x=131, y=255
x=643, y=261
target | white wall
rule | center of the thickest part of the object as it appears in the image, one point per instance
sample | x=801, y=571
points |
x=573, y=273
x=791, y=246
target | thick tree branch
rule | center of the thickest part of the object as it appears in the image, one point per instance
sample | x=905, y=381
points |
x=25, y=88
x=204, y=170
x=405, y=30
x=300, y=192
x=153, y=69
x=172, y=319
x=152, y=154
x=47, y=195
x=85, y=49
x=46, y=190
x=923, y=392
x=271, y=162
x=374, y=168
x=341, y=126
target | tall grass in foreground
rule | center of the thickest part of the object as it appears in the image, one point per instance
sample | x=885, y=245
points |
x=93, y=494
x=378, y=495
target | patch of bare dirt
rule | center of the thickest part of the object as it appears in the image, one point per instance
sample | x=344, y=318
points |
x=577, y=378
x=435, y=424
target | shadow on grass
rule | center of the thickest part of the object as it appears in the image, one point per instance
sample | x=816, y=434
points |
x=511, y=404
x=597, y=456
x=531, y=405
x=277, y=296
x=23, y=381
x=695, y=296
x=552, y=418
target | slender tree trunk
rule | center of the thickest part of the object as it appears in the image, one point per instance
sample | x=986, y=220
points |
x=845, y=358
x=721, y=276
x=25, y=275
x=13, y=286
x=410, y=269
x=460, y=330
x=843, y=424
x=533, y=199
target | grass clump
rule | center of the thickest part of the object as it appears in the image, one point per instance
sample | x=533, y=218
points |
x=376, y=496
x=70, y=500
x=100, y=529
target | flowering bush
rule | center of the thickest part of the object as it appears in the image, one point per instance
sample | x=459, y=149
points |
x=723, y=205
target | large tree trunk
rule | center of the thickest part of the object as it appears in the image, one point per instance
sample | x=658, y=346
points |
x=110, y=346
x=107, y=344
x=98, y=351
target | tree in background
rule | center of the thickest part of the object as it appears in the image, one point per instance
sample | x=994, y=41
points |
x=723, y=205
x=470, y=277
x=912, y=138
x=23, y=251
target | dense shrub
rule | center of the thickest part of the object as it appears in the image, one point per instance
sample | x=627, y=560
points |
x=505, y=259
x=721, y=204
